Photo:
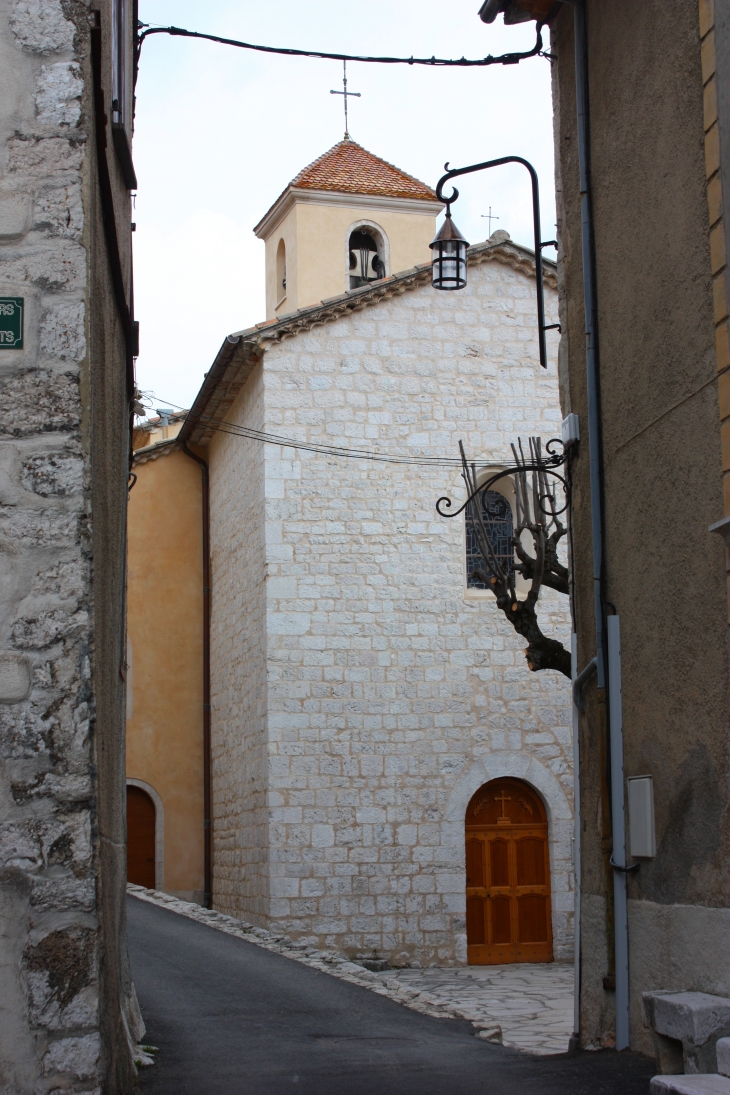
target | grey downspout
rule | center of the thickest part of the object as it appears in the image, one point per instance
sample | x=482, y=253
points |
x=596, y=484
x=618, y=831
x=207, y=789
x=574, y=1043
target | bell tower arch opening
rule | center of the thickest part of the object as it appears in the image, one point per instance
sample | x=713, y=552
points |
x=508, y=913
x=280, y=273
x=367, y=254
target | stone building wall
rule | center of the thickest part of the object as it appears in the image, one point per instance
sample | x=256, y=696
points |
x=662, y=342
x=392, y=695
x=65, y=996
x=239, y=755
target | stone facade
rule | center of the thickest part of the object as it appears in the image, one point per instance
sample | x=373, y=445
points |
x=659, y=79
x=360, y=694
x=66, y=1014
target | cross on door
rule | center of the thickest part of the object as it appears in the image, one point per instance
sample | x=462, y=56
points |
x=503, y=798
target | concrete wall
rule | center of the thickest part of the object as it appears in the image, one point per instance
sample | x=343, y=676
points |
x=663, y=488
x=165, y=658
x=316, y=236
x=66, y=1002
x=379, y=693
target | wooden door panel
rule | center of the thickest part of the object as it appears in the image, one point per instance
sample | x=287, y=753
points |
x=474, y=862
x=476, y=920
x=530, y=861
x=498, y=862
x=532, y=918
x=508, y=876
x=501, y=920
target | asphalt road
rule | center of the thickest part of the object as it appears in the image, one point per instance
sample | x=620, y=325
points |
x=230, y=1018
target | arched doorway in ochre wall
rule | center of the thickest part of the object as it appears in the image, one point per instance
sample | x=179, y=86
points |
x=508, y=917
x=140, y=838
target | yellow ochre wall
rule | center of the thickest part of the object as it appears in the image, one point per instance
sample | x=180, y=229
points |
x=316, y=238
x=165, y=656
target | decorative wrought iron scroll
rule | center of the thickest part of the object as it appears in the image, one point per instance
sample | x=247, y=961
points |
x=538, y=511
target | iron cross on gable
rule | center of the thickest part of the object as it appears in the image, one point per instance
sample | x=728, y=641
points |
x=490, y=216
x=345, y=93
x=503, y=798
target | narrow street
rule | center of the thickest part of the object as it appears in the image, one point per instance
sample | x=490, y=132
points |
x=230, y=1018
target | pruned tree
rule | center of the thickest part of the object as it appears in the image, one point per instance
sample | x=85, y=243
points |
x=538, y=512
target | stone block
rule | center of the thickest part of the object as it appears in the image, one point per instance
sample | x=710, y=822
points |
x=39, y=401
x=15, y=214
x=58, y=94
x=689, y=1085
x=693, y=1020
x=14, y=678
x=40, y=26
x=723, y=1056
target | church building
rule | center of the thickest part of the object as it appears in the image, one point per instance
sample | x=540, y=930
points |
x=387, y=777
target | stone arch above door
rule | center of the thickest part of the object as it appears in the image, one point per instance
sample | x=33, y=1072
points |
x=558, y=806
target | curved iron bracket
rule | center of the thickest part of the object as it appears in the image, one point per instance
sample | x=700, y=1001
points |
x=540, y=289
x=554, y=460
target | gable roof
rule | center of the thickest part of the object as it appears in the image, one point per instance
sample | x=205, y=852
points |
x=243, y=349
x=350, y=169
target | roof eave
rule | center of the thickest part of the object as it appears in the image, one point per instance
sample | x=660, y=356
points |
x=308, y=195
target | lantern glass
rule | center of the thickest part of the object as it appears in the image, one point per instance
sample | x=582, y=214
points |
x=448, y=263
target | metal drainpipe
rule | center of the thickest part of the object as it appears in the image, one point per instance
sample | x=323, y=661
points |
x=596, y=483
x=575, y=1038
x=207, y=796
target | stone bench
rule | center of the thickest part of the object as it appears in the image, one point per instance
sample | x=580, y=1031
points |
x=690, y=1085
x=685, y=1028
x=706, y=1084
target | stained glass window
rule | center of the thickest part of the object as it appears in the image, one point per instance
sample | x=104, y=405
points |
x=497, y=517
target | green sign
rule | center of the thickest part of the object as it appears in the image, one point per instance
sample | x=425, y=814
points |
x=11, y=323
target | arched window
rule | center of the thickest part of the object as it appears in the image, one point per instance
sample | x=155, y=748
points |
x=366, y=262
x=497, y=518
x=281, y=272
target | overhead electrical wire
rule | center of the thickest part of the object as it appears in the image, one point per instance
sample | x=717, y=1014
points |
x=221, y=426
x=434, y=62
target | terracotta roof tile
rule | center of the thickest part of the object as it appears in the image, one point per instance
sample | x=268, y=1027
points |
x=350, y=169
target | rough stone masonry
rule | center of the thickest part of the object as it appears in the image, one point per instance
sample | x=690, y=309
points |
x=67, y=1016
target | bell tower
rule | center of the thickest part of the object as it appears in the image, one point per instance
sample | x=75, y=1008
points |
x=346, y=220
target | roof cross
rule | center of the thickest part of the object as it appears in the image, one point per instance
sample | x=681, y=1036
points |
x=345, y=93
x=490, y=216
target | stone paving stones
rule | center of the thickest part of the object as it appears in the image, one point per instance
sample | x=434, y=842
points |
x=531, y=1002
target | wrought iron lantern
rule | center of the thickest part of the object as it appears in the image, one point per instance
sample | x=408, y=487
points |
x=449, y=247
x=448, y=262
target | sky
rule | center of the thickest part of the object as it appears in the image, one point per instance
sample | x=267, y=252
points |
x=220, y=132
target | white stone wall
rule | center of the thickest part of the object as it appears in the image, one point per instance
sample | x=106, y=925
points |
x=392, y=694
x=239, y=754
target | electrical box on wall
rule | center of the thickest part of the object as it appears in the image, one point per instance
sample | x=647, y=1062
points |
x=570, y=430
x=642, y=837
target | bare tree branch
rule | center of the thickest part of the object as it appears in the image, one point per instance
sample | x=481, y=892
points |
x=538, y=513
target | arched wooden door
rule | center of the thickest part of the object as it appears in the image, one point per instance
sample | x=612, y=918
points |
x=140, y=838
x=507, y=876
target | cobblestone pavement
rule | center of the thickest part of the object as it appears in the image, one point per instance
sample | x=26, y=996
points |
x=531, y=1002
